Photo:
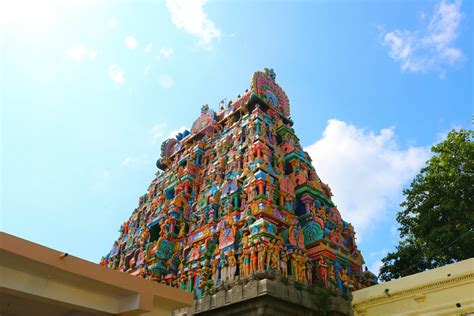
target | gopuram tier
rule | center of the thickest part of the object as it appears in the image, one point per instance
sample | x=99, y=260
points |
x=237, y=196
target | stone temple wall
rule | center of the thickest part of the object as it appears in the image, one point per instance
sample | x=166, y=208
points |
x=265, y=297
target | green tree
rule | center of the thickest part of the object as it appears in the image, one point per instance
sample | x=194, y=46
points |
x=437, y=216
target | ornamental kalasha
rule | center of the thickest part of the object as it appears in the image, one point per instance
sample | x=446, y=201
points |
x=237, y=196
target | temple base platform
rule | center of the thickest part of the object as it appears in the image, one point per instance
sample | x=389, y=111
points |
x=264, y=297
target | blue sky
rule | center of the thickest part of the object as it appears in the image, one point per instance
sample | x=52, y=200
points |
x=89, y=90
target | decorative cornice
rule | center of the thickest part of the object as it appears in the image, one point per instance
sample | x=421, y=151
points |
x=412, y=291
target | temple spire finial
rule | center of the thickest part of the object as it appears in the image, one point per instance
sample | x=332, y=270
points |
x=204, y=108
x=270, y=72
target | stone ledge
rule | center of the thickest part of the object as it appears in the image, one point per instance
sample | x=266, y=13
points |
x=266, y=296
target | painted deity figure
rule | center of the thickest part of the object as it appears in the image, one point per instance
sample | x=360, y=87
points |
x=345, y=279
x=125, y=227
x=214, y=270
x=262, y=256
x=288, y=202
x=302, y=274
x=181, y=266
x=113, y=263
x=131, y=264
x=106, y=262
x=313, y=210
x=322, y=213
x=223, y=265
x=284, y=263
x=241, y=263
x=244, y=239
x=121, y=265
x=299, y=270
x=232, y=264
x=273, y=255
x=275, y=262
x=323, y=271
x=182, y=281
x=339, y=281
x=295, y=265
x=182, y=230
x=229, y=207
x=246, y=260
x=254, y=258
x=270, y=248
x=302, y=277
x=164, y=226
x=251, y=128
x=129, y=241
x=140, y=257
x=309, y=271
x=332, y=276
x=212, y=212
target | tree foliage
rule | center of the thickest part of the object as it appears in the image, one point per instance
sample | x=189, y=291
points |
x=437, y=216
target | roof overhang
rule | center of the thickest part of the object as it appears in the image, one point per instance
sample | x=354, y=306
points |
x=29, y=271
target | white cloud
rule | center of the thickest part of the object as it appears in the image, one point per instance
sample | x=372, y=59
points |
x=190, y=16
x=431, y=48
x=102, y=180
x=164, y=53
x=148, y=47
x=105, y=174
x=165, y=81
x=126, y=162
x=80, y=52
x=146, y=70
x=365, y=170
x=135, y=161
x=159, y=132
x=131, y=42
x=116, y=74
x=378, y=254
x=375, y=267
x=112, y=23
x=174, y=132
x=35, y=17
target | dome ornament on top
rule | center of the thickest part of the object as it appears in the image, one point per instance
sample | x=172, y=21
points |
x=265, y=87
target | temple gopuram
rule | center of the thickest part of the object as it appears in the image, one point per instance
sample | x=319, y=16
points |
x=238, y=215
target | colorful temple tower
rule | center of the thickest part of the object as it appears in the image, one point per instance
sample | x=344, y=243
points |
x=237, y=197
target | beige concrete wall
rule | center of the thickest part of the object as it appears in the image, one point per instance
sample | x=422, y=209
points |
x=31, y=274
x=448, y=290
